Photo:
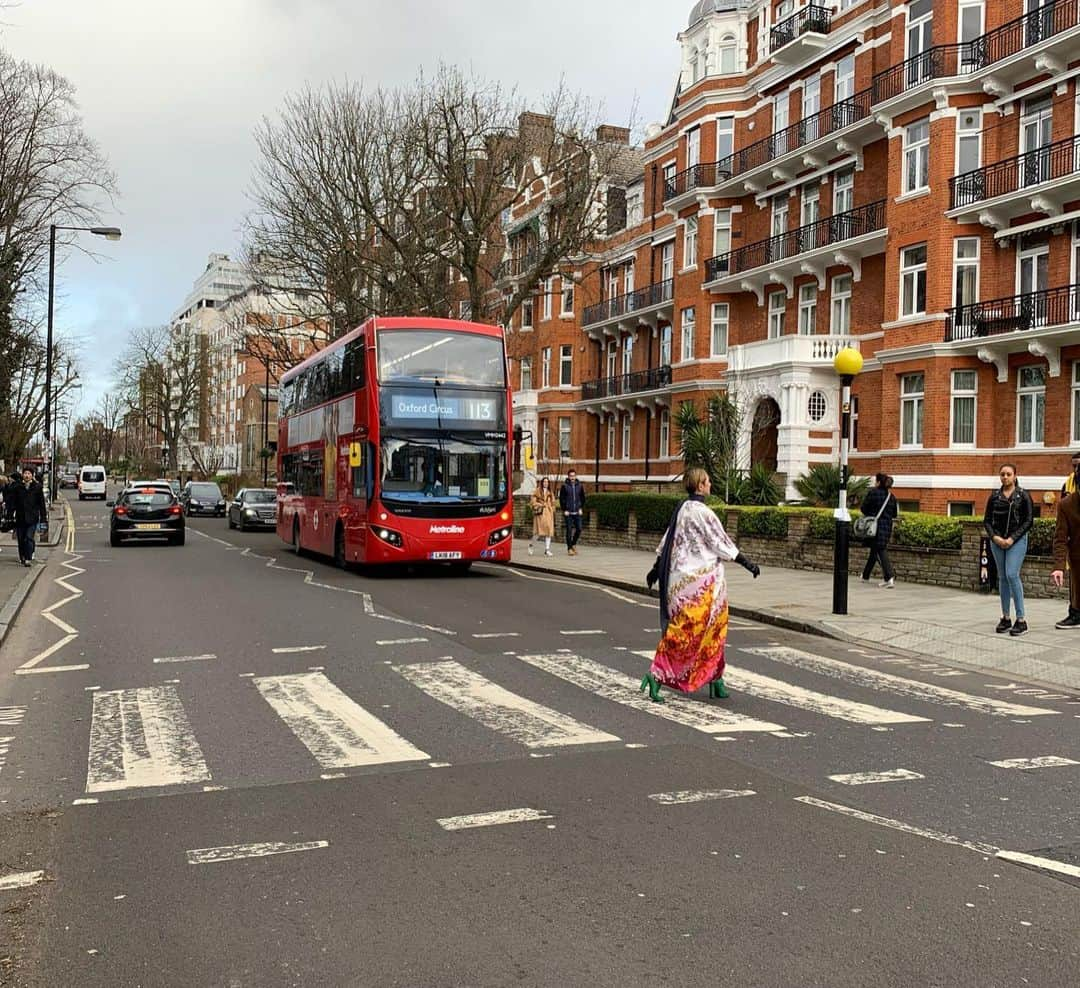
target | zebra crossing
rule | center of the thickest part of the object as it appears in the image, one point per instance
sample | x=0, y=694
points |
x=143, y=739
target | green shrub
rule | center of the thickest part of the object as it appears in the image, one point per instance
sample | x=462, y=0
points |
x=927, y=531
x=820, y=486
x=1041, y=539
x=762, y=487
x=769, y=523
x=653, y=511
x=822, y=526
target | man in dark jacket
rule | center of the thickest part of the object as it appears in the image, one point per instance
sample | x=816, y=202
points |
x=1067, y=553
x=30, y=511
x=572, y=502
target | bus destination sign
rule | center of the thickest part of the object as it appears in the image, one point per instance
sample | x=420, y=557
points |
x=419, y=410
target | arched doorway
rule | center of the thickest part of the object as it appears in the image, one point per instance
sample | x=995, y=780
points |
x=764, y=439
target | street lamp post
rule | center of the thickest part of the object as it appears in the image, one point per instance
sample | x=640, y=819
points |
x=109, y=233
x=847, y=363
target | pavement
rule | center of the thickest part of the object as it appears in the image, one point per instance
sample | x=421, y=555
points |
x=224, y=764
x=935, y=623
x=16, y=581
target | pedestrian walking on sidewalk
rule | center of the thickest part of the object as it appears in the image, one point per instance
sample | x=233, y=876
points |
x=30, y=511
x=880, y=504
x=543, y=512
x=1009, y=515
x=693, y=596
x=572, y=502
x=1067, y=550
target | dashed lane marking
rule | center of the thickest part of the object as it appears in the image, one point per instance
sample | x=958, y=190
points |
x=237, y=852
x=184, y=658
x=401, y=641
x=870, y=778
x=296, y=649
x=498, y=634
x=698, y=795
x=493, y=819
x=1029, y=764
x=20, y=880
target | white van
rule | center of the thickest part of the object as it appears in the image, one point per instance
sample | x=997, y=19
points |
x=91, y=482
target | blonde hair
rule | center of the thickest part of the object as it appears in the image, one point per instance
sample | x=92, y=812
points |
x=694, y=478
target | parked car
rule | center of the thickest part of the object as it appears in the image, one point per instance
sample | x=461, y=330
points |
x=68, y=481
x=253, y=507
x=91, y=482
x=202, y=498
x=146, y=513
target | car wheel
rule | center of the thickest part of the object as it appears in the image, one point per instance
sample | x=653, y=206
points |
x=114, y=540
x=231, y=525
x=242, y=526
x=80, y=497
x=179, y=539
x=339, y=548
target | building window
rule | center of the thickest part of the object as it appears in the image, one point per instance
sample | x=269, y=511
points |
x=688, y=318
x=566, y=365
x=777, y=307
x=808, y=309
x=635, y=208
x=1030, y=406
x=1076, y=402
x=719, y=334
x=968, y=141
x=965, y=385
x=690, y=242
x=965, y=270
x=549, y=292
x=564, y=437
x=721, y=231
x=840, y=320
x=626, y=437
x=667, y=261
x=669, y=172
x=627, y=354
x=665, y=433
x=567, y=297
x=913, y=280
x=693, y=147
x=844, y=83
x=817, y=406
x=611, y=437
x=665, y=345
x=526, y=373
x=811, y=205
x=971, y=20
x=729, y=55
x=545, y=367
x=961, y=509
x=917, y=156
x=725, y=137
x=811, y=104
x=527, y=314
x=844, y=192
x=612, y=358
x=911, y=409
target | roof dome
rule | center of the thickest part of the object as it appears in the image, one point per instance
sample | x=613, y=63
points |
x=703, y=8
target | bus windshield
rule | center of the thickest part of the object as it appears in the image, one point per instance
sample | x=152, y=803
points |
x=441, y=357
x=447, y=469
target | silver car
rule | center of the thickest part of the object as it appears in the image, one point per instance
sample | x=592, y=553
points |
x=253, y=507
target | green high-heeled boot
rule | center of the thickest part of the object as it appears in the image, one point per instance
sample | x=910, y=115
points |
x=652, y=684
x=717, y=690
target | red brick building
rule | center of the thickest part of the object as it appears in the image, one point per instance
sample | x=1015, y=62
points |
x=899, y=177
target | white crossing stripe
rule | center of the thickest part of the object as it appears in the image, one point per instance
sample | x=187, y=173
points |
x=334, y=728
x=875, y=680
x=523, y=815
x=184, y=658
x=500, y=634
x=140, y=738
x=401, y=641
x=234, y=852
x=613, y=685
x=528, y=723
x=869, y=778
x=778, y=691
x=20, y=880
x=1026, y=764
x=698, y=795
x=585, y=631
x=292, y=650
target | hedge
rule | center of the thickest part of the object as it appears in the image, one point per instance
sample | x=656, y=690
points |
x=769, y=523
x=915, y=530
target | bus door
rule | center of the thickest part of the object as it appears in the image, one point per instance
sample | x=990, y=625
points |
x=354, y=484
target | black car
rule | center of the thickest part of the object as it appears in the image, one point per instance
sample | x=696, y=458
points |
x=253, y=507
x=146, y=513
x=202, y=498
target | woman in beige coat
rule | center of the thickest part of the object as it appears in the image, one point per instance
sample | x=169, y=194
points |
x=543, y=512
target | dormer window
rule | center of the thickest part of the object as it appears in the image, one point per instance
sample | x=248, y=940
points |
x=729, y=55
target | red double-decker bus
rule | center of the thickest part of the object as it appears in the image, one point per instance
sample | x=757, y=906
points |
x=394, y=446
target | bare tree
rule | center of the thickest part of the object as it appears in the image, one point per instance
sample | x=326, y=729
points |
x=391, y=202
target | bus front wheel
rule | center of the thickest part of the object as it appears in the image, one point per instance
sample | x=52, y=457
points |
x=462, y=567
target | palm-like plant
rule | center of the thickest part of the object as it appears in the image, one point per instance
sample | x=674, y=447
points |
x=709, y=441
x=820, y=485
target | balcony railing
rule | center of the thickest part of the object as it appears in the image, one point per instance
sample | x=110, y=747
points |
x=811, y=18
x=520, y=264
x=1050, y=307
x=621, y=305
x=1057, y=160
x=831, y=230
x=627, y=384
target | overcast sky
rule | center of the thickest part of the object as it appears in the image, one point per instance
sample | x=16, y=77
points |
x=172, y=92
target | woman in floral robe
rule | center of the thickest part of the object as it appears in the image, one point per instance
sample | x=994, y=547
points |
x=693, y=596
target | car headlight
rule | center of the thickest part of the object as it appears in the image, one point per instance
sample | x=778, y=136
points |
x=250, y=512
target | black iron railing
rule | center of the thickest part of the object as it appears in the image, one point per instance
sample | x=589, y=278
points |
x=703, y=176
x=627, y=384
x=1050, y=307
x=621, y=305
x=1057, y=160
x=520, y=264
x=813, y=18
x=824, y=233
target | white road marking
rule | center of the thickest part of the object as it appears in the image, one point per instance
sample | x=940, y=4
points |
x=11, y=716
x=185, y=658
x=528, y=723
x=586, y=631
x=499, y=634
x=296, y=649
x=1047, y=864
x=401, y=641
x=778, y=691
x=84, y=802
x=44, y=669
x=698, y=795
x=869, y=778
x=613, y=685
x=20, y=880
x=875, y=680
x=337, y=731
x=650, y=604
x=494, y=819
x=234, y=852
x=141, y=738
x=1027, y=764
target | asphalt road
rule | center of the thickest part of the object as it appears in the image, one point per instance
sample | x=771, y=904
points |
x=421, y=779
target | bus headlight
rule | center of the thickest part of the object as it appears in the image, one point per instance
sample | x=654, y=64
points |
x=500, y=535
x=389, y=536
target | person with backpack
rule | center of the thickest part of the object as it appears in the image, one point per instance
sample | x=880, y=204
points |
x=1009, y=517
x=878, y=506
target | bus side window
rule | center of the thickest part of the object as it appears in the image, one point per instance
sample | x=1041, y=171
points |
x=353, y=369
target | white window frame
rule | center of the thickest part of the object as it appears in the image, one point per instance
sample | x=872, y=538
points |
x=545, y=367
x=566, y=365
x=844, y=79
x=960, y=263
x=728, y=55
x=777, y=313
x=525, y=370
x=567, y=297
x=808, y=294
x=725, y=137
x=612, y=365
x=811, y=106
x=916, y=401
x=840, y=305
x=611, y=437
x=527, y=313
x=810, y=197
x=687, y=324
x=549, y=297
x=690, y=237
x=667, y=261
x=721, y=232
x=665, y=345
x=917, y=155
x=969, y=4
x=628, y=354
x=1035, y=392
x=693, y=147
x=965, y=394
x=916, y=271
x=972, y=133
x=720, y=326
x=664, y=451
x=627, y=436
x=566, y=430
x=843, y=192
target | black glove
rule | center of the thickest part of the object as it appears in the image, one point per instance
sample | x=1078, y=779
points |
x=749, y=566
x=652, y=576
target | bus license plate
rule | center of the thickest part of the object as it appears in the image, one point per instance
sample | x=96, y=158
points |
x=149, y=528
x=444, y=555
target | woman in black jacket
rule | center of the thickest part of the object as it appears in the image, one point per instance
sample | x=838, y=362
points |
x=30, y=511
x=880, y=499
x=1009, y=515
